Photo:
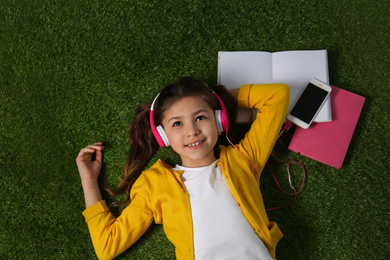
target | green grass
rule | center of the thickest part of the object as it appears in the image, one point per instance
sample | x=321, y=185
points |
x=73, y=72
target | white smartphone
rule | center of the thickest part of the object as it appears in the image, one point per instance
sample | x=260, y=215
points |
x=309, y=103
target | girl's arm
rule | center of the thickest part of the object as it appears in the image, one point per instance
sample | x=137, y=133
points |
x=89, y=170
x=110, y=236
x=272, y=101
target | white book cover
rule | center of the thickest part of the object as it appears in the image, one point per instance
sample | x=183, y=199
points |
x=294, y=68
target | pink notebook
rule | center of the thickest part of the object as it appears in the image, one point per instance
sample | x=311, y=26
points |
x=328, y=142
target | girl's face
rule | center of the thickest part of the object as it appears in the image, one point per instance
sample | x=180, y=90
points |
x=191, y=130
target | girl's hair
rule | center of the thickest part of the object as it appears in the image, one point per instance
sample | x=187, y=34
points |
x=143, y=145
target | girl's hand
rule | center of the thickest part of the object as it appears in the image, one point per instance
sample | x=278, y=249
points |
x=89, y=169
x=234, y=92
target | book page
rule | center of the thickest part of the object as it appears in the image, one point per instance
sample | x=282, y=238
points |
x=296, y=68
x=244, y=67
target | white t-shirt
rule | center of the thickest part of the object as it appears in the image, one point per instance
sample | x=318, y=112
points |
x=221, y=230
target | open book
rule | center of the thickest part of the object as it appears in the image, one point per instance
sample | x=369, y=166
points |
x=294, y=68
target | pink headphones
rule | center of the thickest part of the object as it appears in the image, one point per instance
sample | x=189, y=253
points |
x=221, y=119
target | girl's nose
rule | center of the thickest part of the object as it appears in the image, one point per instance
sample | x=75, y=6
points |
x=193, y=130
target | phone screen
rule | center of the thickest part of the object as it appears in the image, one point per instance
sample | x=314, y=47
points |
x=309, y=102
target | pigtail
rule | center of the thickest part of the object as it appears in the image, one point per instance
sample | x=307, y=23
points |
x=143, y=147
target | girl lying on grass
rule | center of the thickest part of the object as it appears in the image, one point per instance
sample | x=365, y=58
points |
x=210, y=205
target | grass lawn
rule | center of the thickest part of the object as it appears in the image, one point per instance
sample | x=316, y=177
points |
x=73, y=72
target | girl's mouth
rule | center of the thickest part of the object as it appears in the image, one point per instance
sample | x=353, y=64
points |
x=195, y=144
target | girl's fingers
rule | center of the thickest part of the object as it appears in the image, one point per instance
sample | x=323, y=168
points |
x=97, y=146
x=99, y=154
x=87, y=150
x=90, y=149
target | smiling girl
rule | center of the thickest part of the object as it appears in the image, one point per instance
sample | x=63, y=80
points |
x=210, y=205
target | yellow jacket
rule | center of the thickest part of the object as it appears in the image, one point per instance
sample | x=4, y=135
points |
x=160, y=195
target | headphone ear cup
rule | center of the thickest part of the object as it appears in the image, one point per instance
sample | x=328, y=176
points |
x=223, y=119
x=161, y=142
x=218, y=121
x=163, y=135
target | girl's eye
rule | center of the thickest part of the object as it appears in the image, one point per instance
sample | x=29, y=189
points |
x=200, y=118
x=176, y=124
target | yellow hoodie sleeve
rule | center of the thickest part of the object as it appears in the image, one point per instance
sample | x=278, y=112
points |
x=110, y=235
x=272, y=101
